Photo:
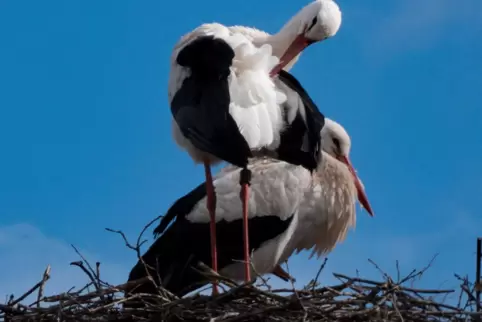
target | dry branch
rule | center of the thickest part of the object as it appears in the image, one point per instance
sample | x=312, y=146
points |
x=353, y=299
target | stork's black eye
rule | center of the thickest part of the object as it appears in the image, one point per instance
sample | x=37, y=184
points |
x=337, y=143
x=313, y=22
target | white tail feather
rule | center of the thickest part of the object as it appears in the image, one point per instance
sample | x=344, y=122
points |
x=254, y=98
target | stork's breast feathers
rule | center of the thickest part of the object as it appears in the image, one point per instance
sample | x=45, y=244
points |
x=328, y=209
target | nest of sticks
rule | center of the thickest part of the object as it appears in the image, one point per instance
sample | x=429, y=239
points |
x=352, y=299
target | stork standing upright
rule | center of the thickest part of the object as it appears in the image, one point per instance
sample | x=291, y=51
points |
x=290, y=209
x=224, y=104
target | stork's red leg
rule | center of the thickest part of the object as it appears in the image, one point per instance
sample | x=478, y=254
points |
x=211, y=205
x=245, y=180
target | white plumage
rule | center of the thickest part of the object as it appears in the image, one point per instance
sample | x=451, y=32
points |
x=276, y=189
x=225, y=105
x=317, y=21
x=324, y=203
x=254, y=98
x=297, y=209
x=328, y=209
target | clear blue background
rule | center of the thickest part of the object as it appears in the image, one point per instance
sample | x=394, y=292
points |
x=85, y=128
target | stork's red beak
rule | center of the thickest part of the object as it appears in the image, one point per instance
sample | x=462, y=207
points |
x=362, y=197
x=296, y=47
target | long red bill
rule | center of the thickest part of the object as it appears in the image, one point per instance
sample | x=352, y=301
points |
x=296, y=47
x=362, y=197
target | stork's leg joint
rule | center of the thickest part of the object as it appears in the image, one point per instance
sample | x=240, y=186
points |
x=245, y=176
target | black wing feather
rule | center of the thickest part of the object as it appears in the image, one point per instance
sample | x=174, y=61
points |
x=181, y=207
x=315, y=121
x=201, y=105
x=184, y=244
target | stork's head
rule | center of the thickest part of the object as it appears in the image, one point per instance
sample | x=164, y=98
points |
x=317, y=21
x=336, y=142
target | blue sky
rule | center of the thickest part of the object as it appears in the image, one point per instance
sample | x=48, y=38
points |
x=85, y=129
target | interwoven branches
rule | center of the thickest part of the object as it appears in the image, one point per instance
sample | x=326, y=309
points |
x=352, y=299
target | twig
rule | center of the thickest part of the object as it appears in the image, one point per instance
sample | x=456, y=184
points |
x=354, y=299
x=397, y=265
x=92, y=272
x=318, y=273
x=89, y=274
x=385, y=275
x=137, y=249
x=45, y=278
x=12, y=302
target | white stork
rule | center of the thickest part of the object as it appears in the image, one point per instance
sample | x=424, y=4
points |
x=226, y=107
x=290, y=209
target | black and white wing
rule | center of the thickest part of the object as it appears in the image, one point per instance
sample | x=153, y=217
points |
x=277, y=189
x=301, y=141
x=222, y=98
